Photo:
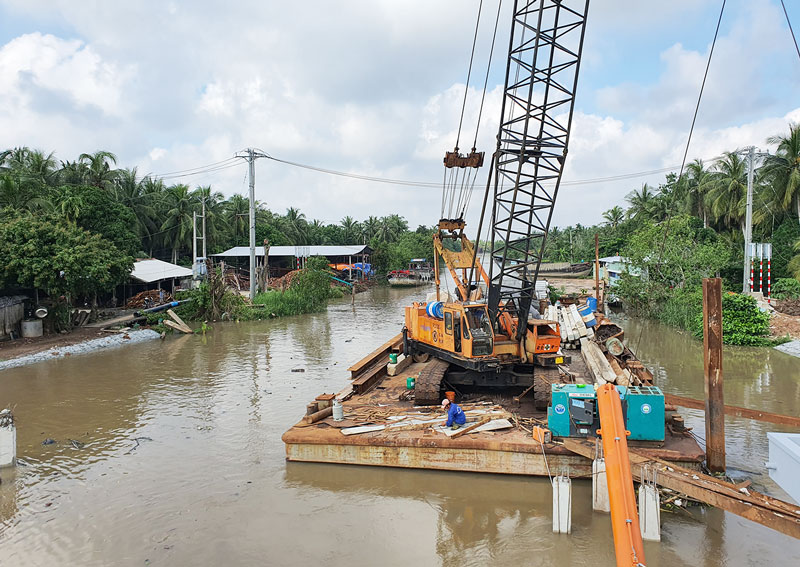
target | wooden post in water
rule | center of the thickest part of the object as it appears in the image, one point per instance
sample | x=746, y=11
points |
x=712, y=364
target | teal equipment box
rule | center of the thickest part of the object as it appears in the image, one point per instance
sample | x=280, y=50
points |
x=645, y=415
x=573, y=411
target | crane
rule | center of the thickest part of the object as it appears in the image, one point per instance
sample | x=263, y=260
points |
x=491, y=341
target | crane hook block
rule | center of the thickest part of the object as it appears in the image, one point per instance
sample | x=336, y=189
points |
x=455, y=159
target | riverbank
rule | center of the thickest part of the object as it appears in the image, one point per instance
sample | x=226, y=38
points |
x=59, y=346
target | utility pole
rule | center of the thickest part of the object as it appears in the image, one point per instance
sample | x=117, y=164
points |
x=251, y=155
x=194, y=239
x=748, y=223
x=204, y=230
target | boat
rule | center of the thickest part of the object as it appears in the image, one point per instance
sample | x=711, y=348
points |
x=419, y=272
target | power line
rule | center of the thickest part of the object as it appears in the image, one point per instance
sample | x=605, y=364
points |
x=785, y=13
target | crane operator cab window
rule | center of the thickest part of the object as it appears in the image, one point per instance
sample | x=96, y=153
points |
x=481, y=329
x=448, y=322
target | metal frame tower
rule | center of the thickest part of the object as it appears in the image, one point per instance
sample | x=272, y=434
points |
x=541, y=78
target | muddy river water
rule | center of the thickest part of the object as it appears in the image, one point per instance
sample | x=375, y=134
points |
x=169, y=453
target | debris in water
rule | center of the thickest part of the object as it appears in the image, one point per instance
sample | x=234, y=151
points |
x=76, y=444
x=49, y=441
x=298, y=369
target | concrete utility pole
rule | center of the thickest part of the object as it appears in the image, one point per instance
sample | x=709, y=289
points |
x=251, y=155
x=204, y=230
x=748, y=223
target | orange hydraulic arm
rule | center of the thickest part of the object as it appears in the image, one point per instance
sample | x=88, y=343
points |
x=624, y=518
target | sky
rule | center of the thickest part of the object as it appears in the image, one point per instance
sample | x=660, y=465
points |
x=375, y=87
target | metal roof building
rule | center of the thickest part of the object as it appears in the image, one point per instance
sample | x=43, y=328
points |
x=150, y=271
x=297, y=251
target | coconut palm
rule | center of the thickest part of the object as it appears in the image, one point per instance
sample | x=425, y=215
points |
x=728, y=191
x=237, y=214
x=296, y=226
x=369, y=228
x=351, y=229
x=696, y=190
x=177, y=225
x=139, y=197
x=614, y=216
x=782, y=170
x=98, y=170
x=641, y=201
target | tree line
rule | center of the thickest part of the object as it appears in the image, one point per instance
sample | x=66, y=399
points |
x=714, y=196
x=126, y=216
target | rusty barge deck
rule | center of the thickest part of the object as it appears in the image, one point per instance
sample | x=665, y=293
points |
x=408, y=438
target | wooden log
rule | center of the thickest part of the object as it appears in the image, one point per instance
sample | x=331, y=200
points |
x=173, y=325
x=597, y=363
x=319, y=415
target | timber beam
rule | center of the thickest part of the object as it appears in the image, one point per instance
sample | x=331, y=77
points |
x=754, y=506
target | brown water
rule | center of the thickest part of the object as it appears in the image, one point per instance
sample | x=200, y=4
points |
x=207, y=484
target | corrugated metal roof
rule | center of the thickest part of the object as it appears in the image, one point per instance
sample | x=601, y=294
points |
x=297, y=251
x=152, y=270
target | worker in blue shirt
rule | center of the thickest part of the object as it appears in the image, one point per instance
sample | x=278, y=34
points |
x=455, y=415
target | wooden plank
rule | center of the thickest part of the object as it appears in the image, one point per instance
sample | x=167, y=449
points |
x=174, y=325
x=362, y=429
x=178, y=320
x=712, y=365
x=375, y=355
x=735, y=411
x=468, y=428
x=765, y=510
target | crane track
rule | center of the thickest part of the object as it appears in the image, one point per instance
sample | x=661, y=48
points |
x=426, y=389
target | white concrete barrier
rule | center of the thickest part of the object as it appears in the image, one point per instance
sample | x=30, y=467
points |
x=600, y=501
x=562, y=505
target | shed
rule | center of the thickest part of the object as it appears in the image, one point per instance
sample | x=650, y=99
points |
x=155, y=274
x=12, y=311
x=284, y=258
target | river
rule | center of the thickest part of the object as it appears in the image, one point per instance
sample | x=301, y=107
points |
x=169, y=453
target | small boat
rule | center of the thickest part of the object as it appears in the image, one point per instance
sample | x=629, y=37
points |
x=419, y=272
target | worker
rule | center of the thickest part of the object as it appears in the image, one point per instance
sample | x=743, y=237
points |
x=455, y=415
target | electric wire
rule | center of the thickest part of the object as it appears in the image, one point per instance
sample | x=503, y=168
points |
x=785, y=13
x=688, y=143
x=169, y=173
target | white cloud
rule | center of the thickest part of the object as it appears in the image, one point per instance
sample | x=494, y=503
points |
x=370, y=87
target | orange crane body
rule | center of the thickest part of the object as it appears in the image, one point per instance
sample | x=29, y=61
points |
x=624, y=517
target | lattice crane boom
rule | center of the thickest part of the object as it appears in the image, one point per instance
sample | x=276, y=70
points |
x=541, y=77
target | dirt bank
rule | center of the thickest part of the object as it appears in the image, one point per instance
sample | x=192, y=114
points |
x=22, y=347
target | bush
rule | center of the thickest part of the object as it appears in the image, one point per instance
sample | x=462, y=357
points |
x=743, y=323
x=786, y=288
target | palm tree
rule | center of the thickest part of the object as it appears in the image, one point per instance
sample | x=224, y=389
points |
x=296, y=226
x=697, y=186
x=351, y=229
x=237, y=213
x=369, y=228
x=728, y=190
x=98, y=170
x=177, y=225
x=641, y=201
x=782, y=170
x=134, y=194
x=614, y=216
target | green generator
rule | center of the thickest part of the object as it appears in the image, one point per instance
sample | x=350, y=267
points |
x=573, y=411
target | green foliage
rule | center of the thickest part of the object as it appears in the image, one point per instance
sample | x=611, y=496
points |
x=786, y=288
x=743, y=323
x=58, y=257
x=395, y=255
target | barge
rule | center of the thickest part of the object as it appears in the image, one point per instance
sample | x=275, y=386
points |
x=380, y=425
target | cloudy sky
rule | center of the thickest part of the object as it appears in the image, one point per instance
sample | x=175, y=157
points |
x=374, y=87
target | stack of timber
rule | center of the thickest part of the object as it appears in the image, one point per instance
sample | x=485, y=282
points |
x=609, y=360
x=571, y=324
